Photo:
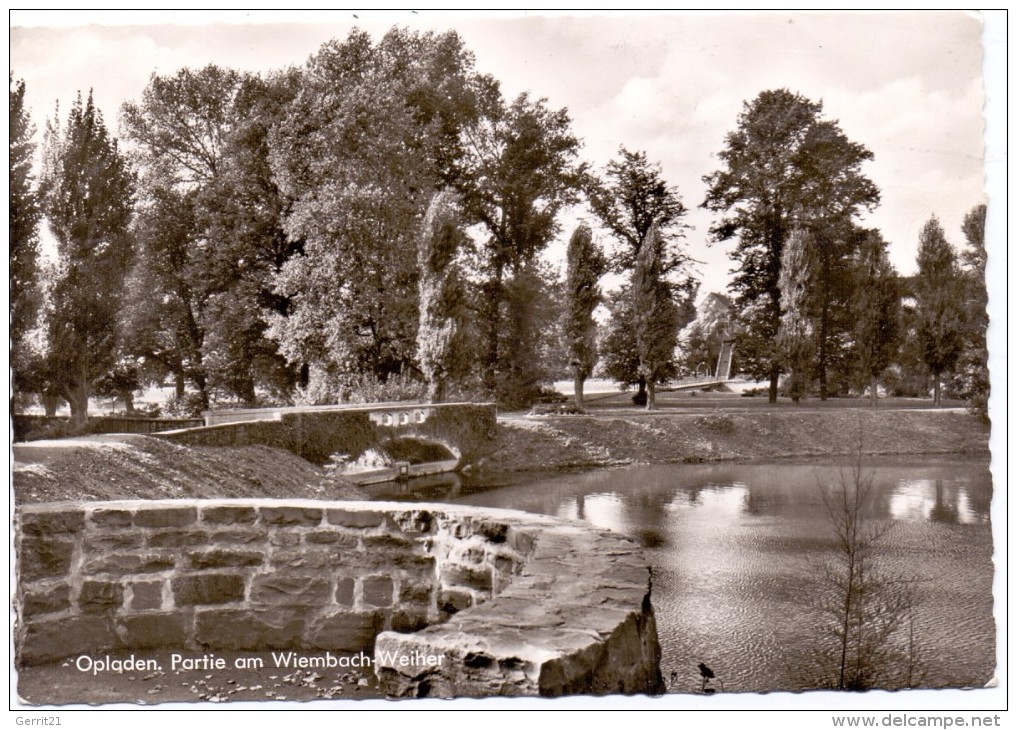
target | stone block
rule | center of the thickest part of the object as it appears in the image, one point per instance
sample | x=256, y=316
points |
x=99, y=596
x=147, y=595
x=229, y=515
x=45, y=641
x=416, y=522
x=282, y=538
x=387, y=542
x=331, y=537
x=345, y=631
x=177, y=538
x=377, y=591
x=154, y=630
x=407, y=620
x=520, y=541
x=281, y=589
x=354, y=518
x=165, y=516
x=217, y=558
x=415, y=591
x=467, y=577
x=43, y=556
x=111, y=518
x=48, y=599
x=305, y=559
x=114, y=541
x=48, y=523
x=344, y=591
x=207, y=588
x=308, y=516
x=247, y=629
x=239, y=537
x=131, y=563
x=453, y=601
x=507, y=565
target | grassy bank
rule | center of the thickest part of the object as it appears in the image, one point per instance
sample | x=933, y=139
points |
x=141, y=467
x=568, y=442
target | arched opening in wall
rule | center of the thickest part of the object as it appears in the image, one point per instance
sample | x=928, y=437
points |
x=417, y=450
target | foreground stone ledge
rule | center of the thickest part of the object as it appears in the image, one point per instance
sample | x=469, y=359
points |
x=455, y=601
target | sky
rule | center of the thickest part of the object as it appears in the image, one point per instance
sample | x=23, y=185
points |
x=908, y=86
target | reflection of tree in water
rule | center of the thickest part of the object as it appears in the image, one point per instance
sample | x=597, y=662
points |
x=944, y=510
x=979, y=497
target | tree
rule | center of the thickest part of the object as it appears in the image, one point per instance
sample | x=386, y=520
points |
x=87, y=192
x=518, y=172
x=877, y=310
x=24, y=216
x=202, y=142
x=372, y=134
x=655, y=315
x=794, y=337
x=866, y=613
x=586, y=264
x=439, y=346
x=633, y=197
x=973, y=365
x=784, y=167
x=938, y=291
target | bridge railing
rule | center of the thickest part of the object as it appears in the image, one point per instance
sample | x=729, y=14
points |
x=236, y=415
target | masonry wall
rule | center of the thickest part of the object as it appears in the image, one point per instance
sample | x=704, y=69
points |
x=345, y=577
x=315, y=434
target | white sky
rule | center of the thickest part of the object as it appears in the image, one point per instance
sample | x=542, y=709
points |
x=908, y=85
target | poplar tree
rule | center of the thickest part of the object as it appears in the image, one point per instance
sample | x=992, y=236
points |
x=440, y=295
x=585, y=265
x=87, y=199
x=655, y=315
x=938, y=307
x=24, y=216
x=794, y=336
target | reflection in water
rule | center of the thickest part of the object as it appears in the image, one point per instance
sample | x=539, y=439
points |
x=734, y=548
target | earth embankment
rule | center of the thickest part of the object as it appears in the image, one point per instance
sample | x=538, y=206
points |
x=142, y=467
x=587, y=441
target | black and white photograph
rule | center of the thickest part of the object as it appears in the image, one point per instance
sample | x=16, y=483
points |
x=564, y=360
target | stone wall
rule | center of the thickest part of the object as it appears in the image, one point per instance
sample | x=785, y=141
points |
x=512, y=603
x=468, y=429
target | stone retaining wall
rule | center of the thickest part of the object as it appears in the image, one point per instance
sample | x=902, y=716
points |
x=514, y=603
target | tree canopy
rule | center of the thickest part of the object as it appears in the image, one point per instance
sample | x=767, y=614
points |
x=783, y=167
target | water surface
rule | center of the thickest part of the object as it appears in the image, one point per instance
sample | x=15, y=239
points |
x=738, y=550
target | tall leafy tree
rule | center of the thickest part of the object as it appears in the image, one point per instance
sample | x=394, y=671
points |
x=938, y=304
x=519, y=170
x=439, y=336
x=24, y=217
x=201, y=137
x=974, y=361
x=585, y=266
x=655, y=315
x=631, y=198
x=877, y=310
x=87, y=199
x=179, y=129
x=373, y=133
x=794, y=336
x=783, y=167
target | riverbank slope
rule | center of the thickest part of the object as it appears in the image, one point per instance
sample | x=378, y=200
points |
x=640, y=437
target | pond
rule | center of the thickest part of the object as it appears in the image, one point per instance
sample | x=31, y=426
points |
x=738, y=549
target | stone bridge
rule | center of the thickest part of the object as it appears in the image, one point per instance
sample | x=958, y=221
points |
x=503, y=602
x=412, y=432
